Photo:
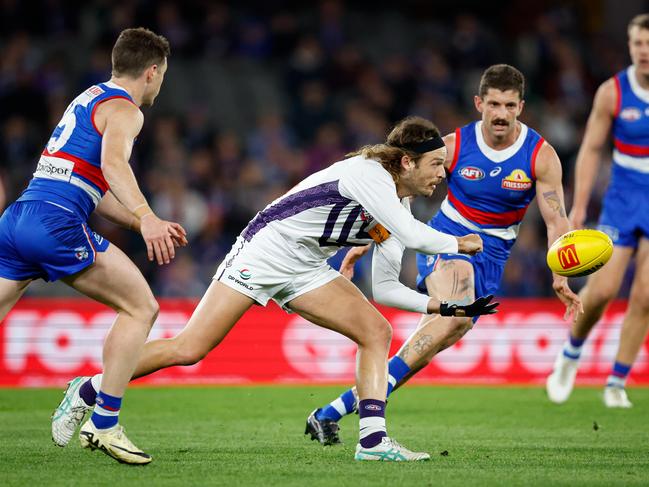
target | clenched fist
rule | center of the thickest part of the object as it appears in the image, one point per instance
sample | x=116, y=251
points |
x=469, y=244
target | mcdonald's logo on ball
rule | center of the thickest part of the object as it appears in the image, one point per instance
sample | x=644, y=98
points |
x=568, y=256
x=579, y=253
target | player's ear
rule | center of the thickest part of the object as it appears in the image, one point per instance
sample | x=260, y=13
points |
x=520, y=107
x=406, y=162
x=150, y=72
x=477, y=101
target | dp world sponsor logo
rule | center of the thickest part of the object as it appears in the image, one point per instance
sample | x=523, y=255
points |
x=472, y=173
x=245, y=274
x=568, y=256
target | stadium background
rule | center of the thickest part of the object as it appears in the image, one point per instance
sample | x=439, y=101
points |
x=258, y=96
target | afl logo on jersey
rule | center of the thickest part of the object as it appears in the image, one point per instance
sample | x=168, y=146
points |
x=517, y=180
x=630, y=114
x=472, y=173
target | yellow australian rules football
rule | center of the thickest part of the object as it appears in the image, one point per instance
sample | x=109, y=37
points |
x=579, y=253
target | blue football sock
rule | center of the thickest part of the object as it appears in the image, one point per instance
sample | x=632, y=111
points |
x=618, y=376
x=397, y=370
x=572, y=348
x=338, y=408
x=106, y=412
x=345, y=404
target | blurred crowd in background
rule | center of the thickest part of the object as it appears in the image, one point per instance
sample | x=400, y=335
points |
x=258, y=96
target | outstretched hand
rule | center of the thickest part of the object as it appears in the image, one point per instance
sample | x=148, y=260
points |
x=481, y=306
x=571, y=301
x=161, y=238
x=469, y=244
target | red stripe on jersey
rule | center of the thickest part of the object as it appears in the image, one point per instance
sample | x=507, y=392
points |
x=92, y=114
x=630, y=149
x=456, y=155
x=503, y=219
x=618, y=92
x=83, y=168
x=535, y=153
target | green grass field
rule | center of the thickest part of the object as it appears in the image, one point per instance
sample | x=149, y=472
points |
x=253, y=436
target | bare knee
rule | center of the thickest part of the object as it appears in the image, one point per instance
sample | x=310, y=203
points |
x=598, y=296
x=462, y=325
x=186, y=352
x=456, y=329
x=145, y=309
x=639, y=300
x=378, y=332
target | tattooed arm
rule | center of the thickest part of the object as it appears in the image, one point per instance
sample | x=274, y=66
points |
x=549, y=194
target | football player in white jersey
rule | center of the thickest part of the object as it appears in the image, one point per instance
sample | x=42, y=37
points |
x=282, y=255
x=493, y=204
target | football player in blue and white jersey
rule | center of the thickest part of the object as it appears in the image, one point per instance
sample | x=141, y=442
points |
x=282, y=255
x=621, y=107
x=44, y=235
x=495, y=167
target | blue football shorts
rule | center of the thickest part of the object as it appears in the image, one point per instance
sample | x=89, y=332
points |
x=488, y=265
x=44, y=240
x=625, y=215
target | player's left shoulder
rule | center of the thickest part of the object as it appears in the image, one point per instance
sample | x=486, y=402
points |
x=546, y=161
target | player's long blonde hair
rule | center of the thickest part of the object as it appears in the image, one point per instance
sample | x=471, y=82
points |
x=410, y=130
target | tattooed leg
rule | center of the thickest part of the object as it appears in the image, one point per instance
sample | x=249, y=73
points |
x=451, y=280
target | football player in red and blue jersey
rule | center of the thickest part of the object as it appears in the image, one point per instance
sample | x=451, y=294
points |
x=44, y=234
x=495, y=167
x=621, y=106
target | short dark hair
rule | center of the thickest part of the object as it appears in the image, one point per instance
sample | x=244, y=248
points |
x=641, y=21
x=137, y=49
x=502, y=77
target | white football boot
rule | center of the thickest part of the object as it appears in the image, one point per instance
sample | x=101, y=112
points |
x=615, y=397
x=560, y=382
x=113, y=442
x=69, y=414
x=389, y=451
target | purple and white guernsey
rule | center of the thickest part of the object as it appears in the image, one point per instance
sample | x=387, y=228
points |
x=338, y=207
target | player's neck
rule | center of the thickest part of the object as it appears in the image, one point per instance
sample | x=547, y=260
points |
x=642, y=80
x=131, y=86
x=500, y=143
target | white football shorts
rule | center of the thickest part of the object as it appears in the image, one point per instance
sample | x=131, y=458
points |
x=266, y=268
